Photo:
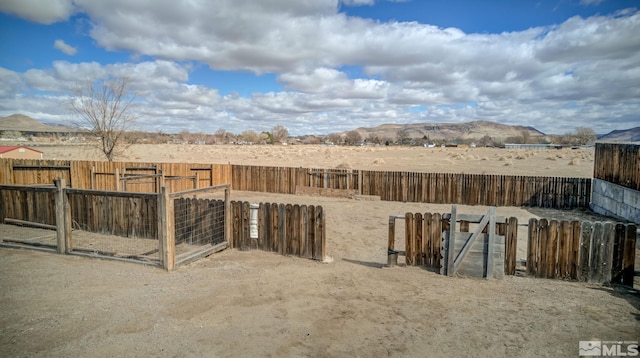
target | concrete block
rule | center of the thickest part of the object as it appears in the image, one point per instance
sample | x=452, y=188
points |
x=631, y=197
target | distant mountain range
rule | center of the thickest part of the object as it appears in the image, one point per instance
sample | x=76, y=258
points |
x=448, y=131
x=22, y=123
x=434, y=131
x=627, y=135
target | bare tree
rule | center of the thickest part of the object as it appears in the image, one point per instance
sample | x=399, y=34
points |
x=403, y=136
x=353, y=138
x=585, y=135
x=250, y=136
x=280, y=133
x=104, y=106
x=526, y=136
x=334, y=138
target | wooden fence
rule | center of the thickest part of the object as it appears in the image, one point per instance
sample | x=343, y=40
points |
x=29, y=204
x=599, y=252
x=437, y=188
x=297, y=230
x=618, y=163
x=424, y=233
x=125, y=176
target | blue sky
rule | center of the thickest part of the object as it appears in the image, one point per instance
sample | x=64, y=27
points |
x=322, y=66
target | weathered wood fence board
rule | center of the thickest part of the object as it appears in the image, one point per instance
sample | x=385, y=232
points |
x=438, y=188
x=599, y=252
x=424, y=234
x=296, y=230
x=30, y=204
x=102, y=175
x=618, y=163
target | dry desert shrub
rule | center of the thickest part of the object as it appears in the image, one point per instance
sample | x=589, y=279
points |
x=552, y=158
x=508, y=163
x=521, y=156
x=485, y=158
x=575, y=161
x=343, y=166
x=378, y=161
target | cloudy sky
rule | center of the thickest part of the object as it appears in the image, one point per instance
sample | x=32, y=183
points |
x=321, y=66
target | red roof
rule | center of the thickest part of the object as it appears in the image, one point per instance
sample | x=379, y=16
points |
x=8, y=148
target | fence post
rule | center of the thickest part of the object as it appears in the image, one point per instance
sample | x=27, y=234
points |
x=227, y=217
x=159, y=179
x=116, y=175
x=166, y=230
x=392, y=254
x=92, y=178
x=60, y=215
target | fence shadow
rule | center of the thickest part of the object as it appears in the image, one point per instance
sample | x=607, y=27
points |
x=631, y=295
x=377, y=265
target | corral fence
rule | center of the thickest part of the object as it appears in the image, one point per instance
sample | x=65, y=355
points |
x=437, y=188
x=296, y=230
x=601, y=252
x=425, y=234
x=598, y=252
x=165, y=229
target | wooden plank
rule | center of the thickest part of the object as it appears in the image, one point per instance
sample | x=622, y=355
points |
x=629, y=255
x=543, y=234
x=320, y=253
x=585, y=250
x=274, y=227
x=565, y=239
x=428, y=239
x=391, y=241
x=409, y=235
x=574, y=253
x=282, y=229
x=617, y=254
x=438, y=227
x=451, y=244
x=596, y=257
x=606, y=260
x=303, y=232
x=310, y=236
x=552, y=250
x=511, y=242
x=296, y=242
x=490, y=250
x=289, y=226
x=418, y=233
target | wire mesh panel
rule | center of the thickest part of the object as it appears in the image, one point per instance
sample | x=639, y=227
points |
x=30, y=215
x=199, y=224
x=15, y=235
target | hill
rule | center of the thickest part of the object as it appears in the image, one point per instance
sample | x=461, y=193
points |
x=22, y=123
x=448, y=131
x=625, y=135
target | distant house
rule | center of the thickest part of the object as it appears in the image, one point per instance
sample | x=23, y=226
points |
x=19, y=152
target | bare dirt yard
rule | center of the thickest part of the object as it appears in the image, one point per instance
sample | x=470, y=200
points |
x=246, y=304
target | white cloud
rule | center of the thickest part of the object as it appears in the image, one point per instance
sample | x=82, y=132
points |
x=64, y=47
x=583, y=72
x=43, y=12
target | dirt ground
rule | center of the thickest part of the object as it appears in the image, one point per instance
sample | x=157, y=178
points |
x=245, y=304
x=543, y=162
